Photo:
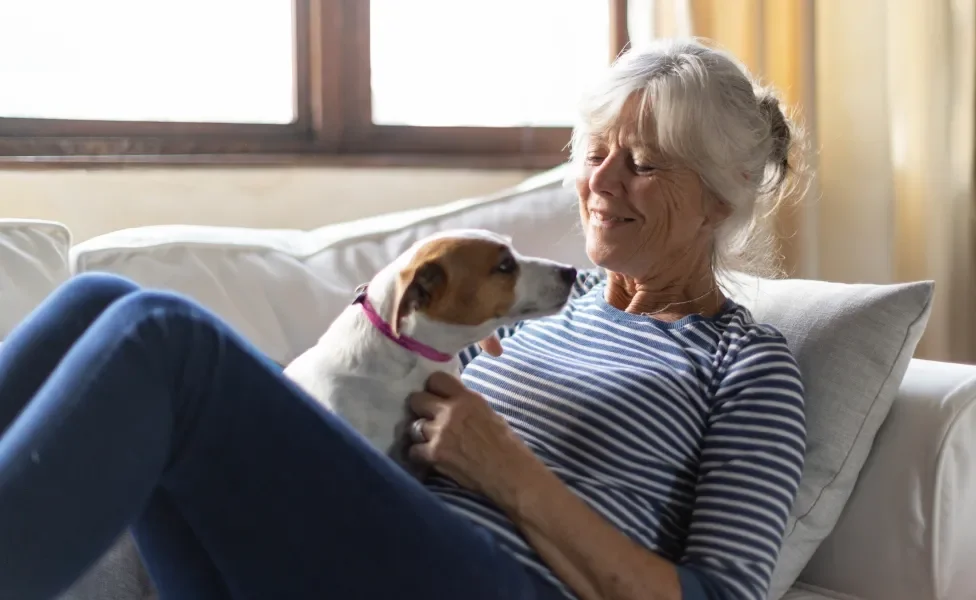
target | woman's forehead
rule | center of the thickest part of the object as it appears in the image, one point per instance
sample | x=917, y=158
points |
x=626, y=135
x=632, y=126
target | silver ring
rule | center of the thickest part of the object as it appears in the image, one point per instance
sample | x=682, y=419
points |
x=417, y=432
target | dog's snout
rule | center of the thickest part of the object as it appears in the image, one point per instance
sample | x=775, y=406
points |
x=567, y=274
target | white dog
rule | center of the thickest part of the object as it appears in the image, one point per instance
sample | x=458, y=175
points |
x=443, y=294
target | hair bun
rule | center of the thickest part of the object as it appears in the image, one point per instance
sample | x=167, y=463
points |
x=779, y=132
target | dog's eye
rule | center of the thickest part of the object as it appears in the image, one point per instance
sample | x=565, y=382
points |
x=508, y=265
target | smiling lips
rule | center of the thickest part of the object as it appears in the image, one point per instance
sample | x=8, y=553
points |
x=605, y=219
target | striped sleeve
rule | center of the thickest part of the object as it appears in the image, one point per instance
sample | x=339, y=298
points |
x=751, y=463
x=586, y=280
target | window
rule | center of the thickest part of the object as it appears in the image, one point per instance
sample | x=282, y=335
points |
x=118, y=60
x=381, y=81
x=505, y=63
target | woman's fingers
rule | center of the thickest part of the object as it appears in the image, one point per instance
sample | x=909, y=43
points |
x=492, y=345
x=421, y=453
x=421, y=431
x=444, y=385
x=424, y=404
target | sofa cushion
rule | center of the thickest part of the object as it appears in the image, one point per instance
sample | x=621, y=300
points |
x=810, y=593
x=853, y=344
x=34, y=256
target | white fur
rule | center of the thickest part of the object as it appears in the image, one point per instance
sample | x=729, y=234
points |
x=355, y=371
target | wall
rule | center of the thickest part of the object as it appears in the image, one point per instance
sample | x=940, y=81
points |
x=92, y=202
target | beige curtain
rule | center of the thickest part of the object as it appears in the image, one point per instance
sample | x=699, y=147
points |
x=886, y=90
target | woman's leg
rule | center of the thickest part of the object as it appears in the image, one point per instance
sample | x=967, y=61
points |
x=38, y=343
x=158, y=402
x=29, y=355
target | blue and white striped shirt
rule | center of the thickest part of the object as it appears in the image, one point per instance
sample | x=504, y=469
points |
x=688, y=436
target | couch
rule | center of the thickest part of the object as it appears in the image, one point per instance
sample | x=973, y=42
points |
x=901, y=520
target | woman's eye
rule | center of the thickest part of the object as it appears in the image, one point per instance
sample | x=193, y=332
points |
x=641, y=167
x=594, y=159
x=508, y=265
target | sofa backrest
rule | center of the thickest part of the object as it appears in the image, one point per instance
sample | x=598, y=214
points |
x=281, y=288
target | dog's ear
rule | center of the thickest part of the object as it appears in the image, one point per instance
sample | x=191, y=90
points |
x=415, y=290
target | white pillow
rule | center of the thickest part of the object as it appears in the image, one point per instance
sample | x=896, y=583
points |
x=853, y=343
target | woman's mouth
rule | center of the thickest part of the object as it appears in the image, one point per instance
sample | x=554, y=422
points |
x=603, y=219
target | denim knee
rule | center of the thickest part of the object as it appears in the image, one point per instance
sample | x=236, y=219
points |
x=97, y=289
x=152, y=304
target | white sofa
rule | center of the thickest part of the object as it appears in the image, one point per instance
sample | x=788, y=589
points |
x=907, y=531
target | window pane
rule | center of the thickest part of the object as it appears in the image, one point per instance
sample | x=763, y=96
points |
x=501, y=63
x=148, y=60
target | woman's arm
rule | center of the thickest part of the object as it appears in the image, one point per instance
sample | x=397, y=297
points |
x=751, y=464
x=589, y=554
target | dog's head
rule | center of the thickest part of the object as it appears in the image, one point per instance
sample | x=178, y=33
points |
x=456, y=287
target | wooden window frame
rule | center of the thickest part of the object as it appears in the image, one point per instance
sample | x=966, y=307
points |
x=333, y=122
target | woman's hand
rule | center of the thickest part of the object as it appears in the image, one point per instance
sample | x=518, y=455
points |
x=463, y=438
x=469, y=442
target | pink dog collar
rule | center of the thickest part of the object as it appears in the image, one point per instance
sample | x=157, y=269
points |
x=404, y=341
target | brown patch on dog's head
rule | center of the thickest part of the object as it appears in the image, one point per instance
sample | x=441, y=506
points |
x=464, y=281
x=416, y=288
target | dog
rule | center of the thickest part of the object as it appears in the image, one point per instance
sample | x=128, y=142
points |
x=445, y=293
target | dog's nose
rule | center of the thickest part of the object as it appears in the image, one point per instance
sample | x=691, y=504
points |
x=567, y=274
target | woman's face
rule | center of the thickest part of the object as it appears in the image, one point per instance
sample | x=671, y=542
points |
x=642, y=217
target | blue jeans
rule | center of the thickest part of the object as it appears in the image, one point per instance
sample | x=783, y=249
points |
x=124, y=407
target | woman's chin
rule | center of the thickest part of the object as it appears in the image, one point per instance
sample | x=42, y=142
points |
x=603, y=255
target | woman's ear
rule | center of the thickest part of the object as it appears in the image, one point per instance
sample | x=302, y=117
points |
x=716, y=210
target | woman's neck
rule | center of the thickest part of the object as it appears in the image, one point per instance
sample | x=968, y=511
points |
x=667, y=299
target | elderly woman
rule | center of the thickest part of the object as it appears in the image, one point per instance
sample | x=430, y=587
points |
x=645, y=443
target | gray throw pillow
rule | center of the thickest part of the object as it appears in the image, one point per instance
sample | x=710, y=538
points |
x=853, y=343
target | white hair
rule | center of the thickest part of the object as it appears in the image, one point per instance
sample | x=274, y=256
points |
x=699, y=107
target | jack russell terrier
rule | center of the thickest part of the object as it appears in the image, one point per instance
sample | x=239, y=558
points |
x=445, y=293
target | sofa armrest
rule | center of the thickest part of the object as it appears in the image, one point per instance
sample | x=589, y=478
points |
x=908, y=530
x=33, y=261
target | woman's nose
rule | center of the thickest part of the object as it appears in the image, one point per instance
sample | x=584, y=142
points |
x=606, y=179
